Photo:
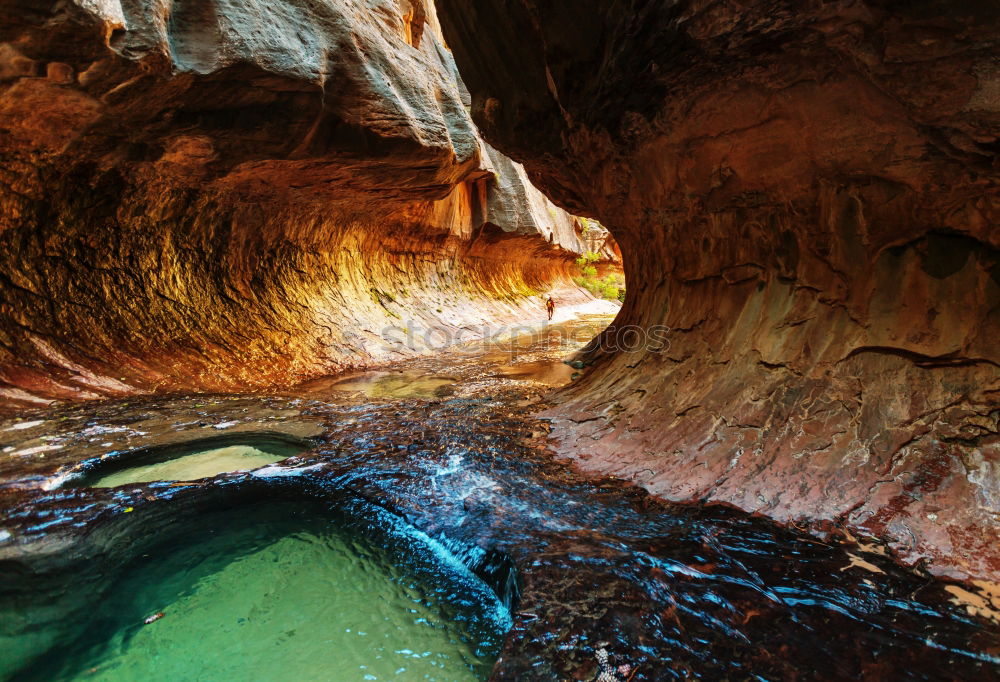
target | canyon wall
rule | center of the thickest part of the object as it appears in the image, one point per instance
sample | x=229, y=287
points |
x=806, y=198
x=217, y=196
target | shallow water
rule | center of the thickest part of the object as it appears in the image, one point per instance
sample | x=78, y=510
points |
x=193, y=467
x=668, y=591
x=547, y=372
x=396, y=385
x=676, y=592
x=538, y=357
x=277, y=593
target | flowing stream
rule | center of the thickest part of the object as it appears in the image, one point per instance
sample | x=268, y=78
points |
x=427, y=534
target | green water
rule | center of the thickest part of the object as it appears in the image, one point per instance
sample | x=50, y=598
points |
x=194, y=466
x=254, y=596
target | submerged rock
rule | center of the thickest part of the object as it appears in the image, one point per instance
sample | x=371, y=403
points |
x=583, y=565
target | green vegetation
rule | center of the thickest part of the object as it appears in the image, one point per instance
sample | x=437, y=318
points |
x=611, y=287
x=588, y=224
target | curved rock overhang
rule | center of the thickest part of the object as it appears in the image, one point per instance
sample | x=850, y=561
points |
x=806, y=195
x=218, y=196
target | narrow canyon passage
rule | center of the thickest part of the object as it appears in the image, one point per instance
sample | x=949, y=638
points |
x=403, y=339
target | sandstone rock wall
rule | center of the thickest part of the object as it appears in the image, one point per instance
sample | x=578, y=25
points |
x=219, y=195
x=807, y=195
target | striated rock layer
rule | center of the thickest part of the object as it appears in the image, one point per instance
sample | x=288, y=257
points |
x=806, y=195
x=214, y=195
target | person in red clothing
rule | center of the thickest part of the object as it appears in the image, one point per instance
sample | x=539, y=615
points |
x=550, y=305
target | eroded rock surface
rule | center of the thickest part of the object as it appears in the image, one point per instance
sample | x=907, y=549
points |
x=806, y=195
x=211, y=195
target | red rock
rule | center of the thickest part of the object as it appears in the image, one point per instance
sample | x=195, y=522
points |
x=807, y=196
x=234, y=196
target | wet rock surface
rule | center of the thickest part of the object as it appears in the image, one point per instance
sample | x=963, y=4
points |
x=666, y=591
x=221, y=196
x=806, y=195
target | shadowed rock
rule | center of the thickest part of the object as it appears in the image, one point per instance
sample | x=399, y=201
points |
x=806, y=196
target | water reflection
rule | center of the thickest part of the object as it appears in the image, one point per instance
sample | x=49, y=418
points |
x=395, y=385
x=604, y=572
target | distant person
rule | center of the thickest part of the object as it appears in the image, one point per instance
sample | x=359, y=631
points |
x=550, y=305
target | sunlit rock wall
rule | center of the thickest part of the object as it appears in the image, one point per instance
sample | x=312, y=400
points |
x=806, y=198
x=215, y=196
